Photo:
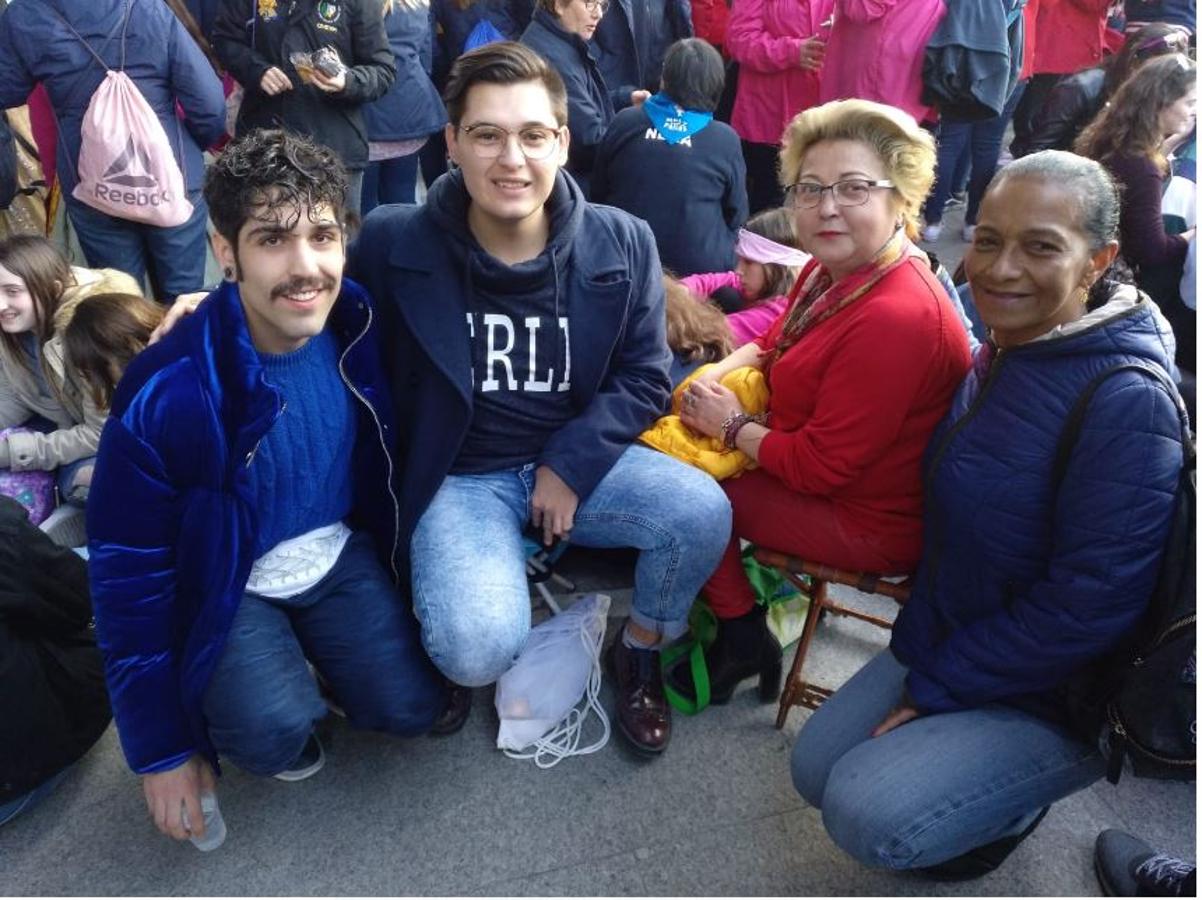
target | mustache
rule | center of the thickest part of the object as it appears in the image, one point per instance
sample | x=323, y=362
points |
x=299, y=285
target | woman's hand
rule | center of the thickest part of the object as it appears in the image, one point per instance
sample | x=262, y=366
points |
x=706, y=405
x=899, y=715
x=553, y=505
x=638, y=98
x=813, y=51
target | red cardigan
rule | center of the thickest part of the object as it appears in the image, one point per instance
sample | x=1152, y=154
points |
x=856, y=399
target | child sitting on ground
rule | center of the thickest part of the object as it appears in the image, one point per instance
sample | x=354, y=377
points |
x=105, y=334
x=39, y=291
x=698, y=333
x=756, y=292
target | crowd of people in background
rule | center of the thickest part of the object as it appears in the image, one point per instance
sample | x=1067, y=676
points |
x=470, y=252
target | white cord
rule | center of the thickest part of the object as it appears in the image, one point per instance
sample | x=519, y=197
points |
x=564, y=740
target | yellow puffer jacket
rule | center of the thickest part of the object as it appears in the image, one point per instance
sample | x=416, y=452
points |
x=669, y=435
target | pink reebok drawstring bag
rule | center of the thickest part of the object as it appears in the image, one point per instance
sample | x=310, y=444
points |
x=126, y=167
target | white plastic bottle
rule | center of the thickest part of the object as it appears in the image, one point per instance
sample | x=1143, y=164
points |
x=214, y=824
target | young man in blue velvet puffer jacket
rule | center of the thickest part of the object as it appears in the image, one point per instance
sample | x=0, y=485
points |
x=242, y=520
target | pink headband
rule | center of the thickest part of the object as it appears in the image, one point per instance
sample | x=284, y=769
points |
x=760, y=249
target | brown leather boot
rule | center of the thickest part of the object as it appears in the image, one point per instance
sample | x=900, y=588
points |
x=643, y=715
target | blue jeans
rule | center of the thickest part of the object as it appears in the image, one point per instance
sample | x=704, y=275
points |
x=982, y=142
x=389, y=181
x=469, y=574
x=933, y=788
x=10, y=809
x=66, y=475
x=173, y=257
x=355, y=629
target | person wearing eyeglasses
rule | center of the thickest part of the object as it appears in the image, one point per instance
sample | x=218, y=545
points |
x=527, y=345
x=561, y=32
x=861, y=366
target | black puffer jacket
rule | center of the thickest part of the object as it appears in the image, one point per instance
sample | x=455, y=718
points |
x=1070, y=106
x=252, y=36
x=53, y=703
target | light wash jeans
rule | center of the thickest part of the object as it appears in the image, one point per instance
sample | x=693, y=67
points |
x=469, y=573
x=936, y=787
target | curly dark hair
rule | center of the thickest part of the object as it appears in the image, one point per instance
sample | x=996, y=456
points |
x=276, y=171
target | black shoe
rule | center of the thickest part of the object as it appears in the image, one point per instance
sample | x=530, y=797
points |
x=981, y=860
x=456, y=712
x=1128, y=867
x=743, y=648
x=643, y=715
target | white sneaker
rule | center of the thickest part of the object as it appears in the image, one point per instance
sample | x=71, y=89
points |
x=967, y=232
x=310, y=761
x=930, y=233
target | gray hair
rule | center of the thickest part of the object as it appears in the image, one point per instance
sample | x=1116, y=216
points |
x=1096, y=192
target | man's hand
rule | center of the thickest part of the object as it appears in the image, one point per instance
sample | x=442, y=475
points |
x=168, y=793
x=183, y=305
x=706, y=405
x=274, y=81
x=553, y=506
x=637, y=98
x=899, y=715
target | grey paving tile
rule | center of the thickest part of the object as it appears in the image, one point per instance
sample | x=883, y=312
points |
x=716, y=815
x=615, y=876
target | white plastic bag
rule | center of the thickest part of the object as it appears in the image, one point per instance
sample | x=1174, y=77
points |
x=546, y=696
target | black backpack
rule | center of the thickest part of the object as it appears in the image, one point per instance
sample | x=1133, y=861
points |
x=1142, y=695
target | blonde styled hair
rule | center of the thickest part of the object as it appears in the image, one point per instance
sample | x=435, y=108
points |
x=906, y=150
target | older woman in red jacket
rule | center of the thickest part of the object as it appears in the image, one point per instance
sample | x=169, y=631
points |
x=861, y=367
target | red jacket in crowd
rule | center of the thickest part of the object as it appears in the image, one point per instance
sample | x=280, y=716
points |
x=709, y=21
x=1070, y=35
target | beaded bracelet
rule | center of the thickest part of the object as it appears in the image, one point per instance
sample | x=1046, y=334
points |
x=733, y=423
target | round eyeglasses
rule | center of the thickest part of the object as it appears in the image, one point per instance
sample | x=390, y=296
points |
x=849, y=192
x=595, y=5
x=536, y=142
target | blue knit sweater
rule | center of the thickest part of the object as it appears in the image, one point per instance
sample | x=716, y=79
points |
x=301, y=475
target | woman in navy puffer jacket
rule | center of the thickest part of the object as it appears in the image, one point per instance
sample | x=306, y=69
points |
x=1023, y=583
x=399, y=123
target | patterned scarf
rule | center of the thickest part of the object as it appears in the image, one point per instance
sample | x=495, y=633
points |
x=816, y=296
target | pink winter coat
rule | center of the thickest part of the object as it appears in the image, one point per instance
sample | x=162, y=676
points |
x=765, y=38
x=876, y=49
